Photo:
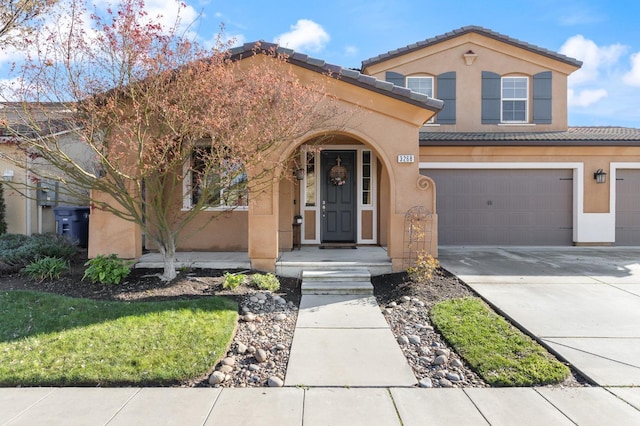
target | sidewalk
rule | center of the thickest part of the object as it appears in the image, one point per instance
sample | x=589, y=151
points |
x=319, y=406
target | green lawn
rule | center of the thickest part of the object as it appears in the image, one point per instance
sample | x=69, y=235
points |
x=51, y=340
x=500, y=353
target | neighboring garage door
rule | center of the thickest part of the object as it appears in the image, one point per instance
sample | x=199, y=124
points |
x=504, y=207
x=628, y=207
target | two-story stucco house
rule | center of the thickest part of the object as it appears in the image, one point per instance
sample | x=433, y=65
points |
x=469, y=127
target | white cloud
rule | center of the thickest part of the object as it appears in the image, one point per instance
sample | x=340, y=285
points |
x=350, y=50
x=594, y=58
x=304, y=35
x=632, y=78
x=586, y=97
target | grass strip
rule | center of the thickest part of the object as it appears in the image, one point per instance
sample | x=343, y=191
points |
x=51, y=340
x=500, y=353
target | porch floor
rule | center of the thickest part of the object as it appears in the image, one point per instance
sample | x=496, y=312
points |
x=290, y=263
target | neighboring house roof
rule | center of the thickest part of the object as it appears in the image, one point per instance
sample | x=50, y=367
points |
x=573, y=136
x=465, y=30
x=47, y=120
x=344, y=74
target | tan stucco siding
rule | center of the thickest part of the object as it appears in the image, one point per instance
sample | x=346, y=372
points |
x=493, y=56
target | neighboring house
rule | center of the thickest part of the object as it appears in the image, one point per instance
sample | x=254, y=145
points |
x=470, y=126
x=29, y=195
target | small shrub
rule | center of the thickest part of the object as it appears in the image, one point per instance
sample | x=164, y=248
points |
x=266, y=282
x=46, y=268
x=426, y=265
x=232, y=281
x=18, y=251
x=107, y=269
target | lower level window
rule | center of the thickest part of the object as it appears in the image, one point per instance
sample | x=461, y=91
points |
x=217, y=184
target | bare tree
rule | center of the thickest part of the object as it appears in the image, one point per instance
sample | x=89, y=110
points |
x=172, y=128
x=16, y=17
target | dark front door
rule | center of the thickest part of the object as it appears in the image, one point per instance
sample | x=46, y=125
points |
x=338, y=203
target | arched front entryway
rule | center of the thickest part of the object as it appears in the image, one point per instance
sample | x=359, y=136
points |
x=338, y=193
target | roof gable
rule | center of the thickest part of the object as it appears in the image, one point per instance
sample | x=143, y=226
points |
x=466, y=30
x=347, y=75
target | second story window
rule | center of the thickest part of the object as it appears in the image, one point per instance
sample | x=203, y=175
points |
x=422, y=85
x=515, y=99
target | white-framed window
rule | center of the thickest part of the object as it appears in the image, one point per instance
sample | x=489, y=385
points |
x=222, y=185
x=421, y=84
x=515, y=99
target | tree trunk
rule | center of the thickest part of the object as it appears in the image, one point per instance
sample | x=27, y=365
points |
x=168, y=250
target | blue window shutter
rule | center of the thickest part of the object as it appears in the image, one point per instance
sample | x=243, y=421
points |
x=395, y=78
x=446, y=88
x=490, y=97
x=542, y=94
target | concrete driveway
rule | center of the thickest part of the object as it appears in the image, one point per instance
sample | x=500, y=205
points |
x=583, y=302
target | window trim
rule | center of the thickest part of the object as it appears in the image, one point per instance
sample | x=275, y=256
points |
x=525, y=99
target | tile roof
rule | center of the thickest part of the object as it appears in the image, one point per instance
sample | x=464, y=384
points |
x=572, y=136
x=344, y=74
x=465, y=30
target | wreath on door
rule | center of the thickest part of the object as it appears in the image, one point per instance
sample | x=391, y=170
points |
x=338, y=173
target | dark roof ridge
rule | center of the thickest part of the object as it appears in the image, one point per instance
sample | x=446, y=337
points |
x=465, y=30
x=345, y=74
x=574, y=134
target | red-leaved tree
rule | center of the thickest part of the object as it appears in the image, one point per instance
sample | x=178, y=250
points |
x=142, y=99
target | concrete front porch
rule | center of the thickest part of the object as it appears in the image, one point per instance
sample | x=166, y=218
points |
x=289, y=264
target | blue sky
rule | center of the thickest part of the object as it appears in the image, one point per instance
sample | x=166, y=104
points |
x=605, y=35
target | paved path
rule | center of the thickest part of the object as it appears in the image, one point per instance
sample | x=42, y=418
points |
x=583, y=302
x=345, y=341
x=319, y=406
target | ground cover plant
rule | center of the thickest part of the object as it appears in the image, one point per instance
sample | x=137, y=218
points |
x=500, y=353
x=52, y=340
x=18, y=251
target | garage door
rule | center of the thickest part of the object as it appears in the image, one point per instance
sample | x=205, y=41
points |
x=628, y=208
x=504, y=207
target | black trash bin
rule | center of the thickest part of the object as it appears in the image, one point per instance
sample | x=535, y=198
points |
x=73, y=222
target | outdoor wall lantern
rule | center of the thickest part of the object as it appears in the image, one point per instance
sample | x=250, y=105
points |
x=7, y=176
x=299, y=174
x=600, y=176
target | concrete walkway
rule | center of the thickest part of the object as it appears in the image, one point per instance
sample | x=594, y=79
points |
x=319, y=406
x=345, y=341
x=582, y=302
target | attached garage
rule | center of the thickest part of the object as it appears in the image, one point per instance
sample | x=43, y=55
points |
x=504, y=206
x=628, y=207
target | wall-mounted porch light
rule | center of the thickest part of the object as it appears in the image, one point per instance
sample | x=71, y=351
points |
x=299, y=173
x=600, y=176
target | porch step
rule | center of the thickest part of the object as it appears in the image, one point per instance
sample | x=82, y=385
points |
x=337, y=281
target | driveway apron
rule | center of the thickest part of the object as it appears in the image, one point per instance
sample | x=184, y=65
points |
x=582, y=302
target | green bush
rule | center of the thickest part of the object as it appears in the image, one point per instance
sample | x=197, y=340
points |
x=232, y=281
x=18, y=251
x=107, y=269
x=46, y=268
x=266, y=282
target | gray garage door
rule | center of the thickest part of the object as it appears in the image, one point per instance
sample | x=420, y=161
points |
x=504, y=207
x=628, y=208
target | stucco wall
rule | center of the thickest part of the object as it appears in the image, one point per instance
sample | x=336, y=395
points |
x=492, y=55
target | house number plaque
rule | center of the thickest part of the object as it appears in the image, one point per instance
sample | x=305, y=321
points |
x=405, y=158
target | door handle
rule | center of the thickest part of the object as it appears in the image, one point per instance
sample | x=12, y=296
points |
x=324, y=208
